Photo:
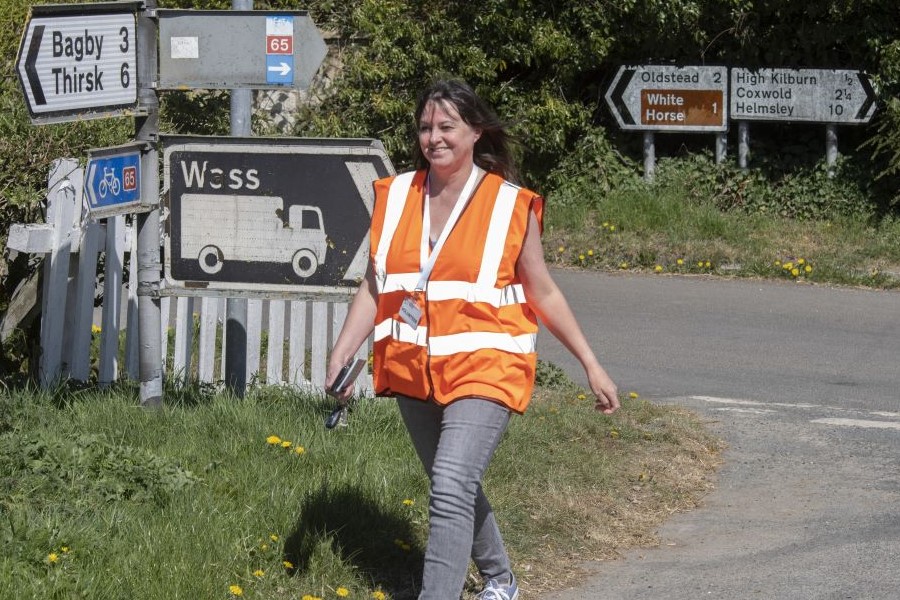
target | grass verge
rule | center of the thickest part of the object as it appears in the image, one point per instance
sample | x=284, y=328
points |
x=214, y=497
x=666, y=228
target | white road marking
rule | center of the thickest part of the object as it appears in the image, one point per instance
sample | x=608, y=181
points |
x=757, y=407
x=752, y=402
x=858, y=423
x=886, y=414
x=755, y=411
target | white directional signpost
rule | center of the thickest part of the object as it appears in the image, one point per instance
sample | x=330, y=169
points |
x=816, y=95
x=79, y=62
x=670, y=98
x=659, y=98
x=832, y=97
x=269, y=218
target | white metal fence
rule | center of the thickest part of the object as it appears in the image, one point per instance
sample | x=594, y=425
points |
x=287, y=341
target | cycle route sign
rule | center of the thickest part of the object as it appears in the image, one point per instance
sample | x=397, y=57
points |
x=113, y=181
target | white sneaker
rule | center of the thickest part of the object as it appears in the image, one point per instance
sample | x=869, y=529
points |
x=494, y=590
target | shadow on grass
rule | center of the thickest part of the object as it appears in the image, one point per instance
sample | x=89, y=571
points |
x=362, y=535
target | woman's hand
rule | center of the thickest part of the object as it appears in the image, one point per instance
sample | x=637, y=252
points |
x=334, y=367
x=604, y=389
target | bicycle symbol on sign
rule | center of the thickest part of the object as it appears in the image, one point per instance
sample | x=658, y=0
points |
x=109, y=183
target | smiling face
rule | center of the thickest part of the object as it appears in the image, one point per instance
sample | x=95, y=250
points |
x=446, y=140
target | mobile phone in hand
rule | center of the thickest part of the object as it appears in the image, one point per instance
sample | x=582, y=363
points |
x=347, y=375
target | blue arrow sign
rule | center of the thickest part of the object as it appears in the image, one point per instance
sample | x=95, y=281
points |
x=113, y=183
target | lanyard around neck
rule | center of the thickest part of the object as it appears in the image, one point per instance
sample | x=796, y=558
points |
x=427, y=261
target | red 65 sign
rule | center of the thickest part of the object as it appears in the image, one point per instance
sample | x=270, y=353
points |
x=279, y=44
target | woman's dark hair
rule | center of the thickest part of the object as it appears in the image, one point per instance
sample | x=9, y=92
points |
x=492, y=150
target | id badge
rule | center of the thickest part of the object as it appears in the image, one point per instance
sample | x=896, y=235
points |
x=410, y=312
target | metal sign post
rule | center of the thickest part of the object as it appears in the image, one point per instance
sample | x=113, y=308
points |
x=236, y=308
x=146, y=130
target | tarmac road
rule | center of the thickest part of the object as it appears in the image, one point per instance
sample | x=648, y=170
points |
x=803, y=383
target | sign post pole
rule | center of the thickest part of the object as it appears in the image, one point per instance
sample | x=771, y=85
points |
x=831, y=147
x=148, y=276
x=236, y=308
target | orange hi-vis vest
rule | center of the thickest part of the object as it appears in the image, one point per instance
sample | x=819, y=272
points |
x=476, y=336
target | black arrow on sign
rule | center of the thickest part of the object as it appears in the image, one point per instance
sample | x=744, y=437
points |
x=870, y=97
x=617, y=94
x=33, y=80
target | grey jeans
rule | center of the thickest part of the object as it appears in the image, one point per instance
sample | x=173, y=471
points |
x=455, y=444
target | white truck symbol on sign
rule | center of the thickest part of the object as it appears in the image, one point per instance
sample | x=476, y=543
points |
x=252, y=229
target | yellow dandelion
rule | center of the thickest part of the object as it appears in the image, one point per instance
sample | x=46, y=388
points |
x=52, y=558
x=795, y=271
x=64, y=549
x=561, y=249
x=707, y=264
x=236, y=590
x=605, y=224
x=700, y=264
x=777, y=263
x=95, y=329
x=299, y=449
x=263, y=547
x=581, y=257
x=408, y=502
x=378, y=595
x=679, y=262
x=633, y=395
x=286, y=444
x=613, y=434
x=310, y=597
x=258, y=573
x=273, y=440
x=623, y=265
x=808, y=268
x=612, y=227
x=787, y=266
x=590, y=252
x=801, y=261
x=658, y=268
x=287, y=564
x=274, y=537
x=342, y=592
x=581, y=396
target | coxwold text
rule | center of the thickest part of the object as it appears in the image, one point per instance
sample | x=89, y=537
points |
x=77, y=47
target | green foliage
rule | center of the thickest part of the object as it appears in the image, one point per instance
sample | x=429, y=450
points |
x=550, y=376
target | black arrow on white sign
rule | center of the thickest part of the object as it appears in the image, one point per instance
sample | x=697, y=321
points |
x=31, y=70
x=616, y=96
x=868, y=104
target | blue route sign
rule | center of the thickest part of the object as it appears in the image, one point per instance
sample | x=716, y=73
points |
x=113, y=181
x=280, y=50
